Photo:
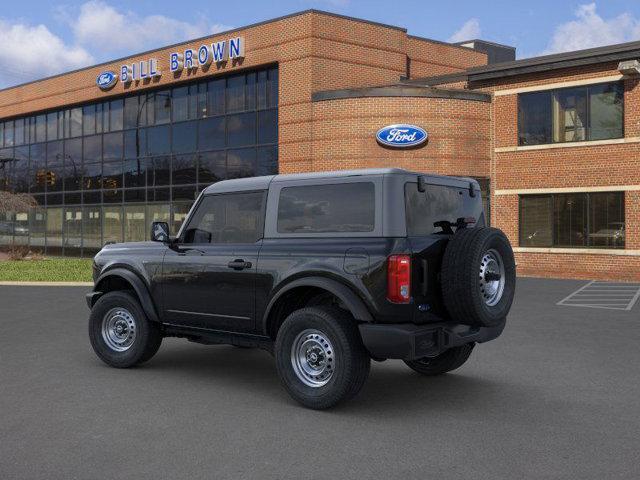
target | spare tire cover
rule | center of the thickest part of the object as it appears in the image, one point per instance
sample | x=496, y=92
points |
x=478, y=276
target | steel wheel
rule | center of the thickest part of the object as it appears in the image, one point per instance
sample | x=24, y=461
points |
x=492, y=277
x=313, y=358
x=119, y=329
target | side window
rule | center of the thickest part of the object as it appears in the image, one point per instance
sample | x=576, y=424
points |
x=230, y=218
x=336, y=208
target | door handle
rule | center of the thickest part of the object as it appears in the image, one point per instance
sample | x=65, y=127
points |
x=239, y=264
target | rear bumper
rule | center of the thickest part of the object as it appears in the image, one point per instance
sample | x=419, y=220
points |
x=407, y=341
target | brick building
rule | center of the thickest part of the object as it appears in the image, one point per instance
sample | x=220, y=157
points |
x=107, y=149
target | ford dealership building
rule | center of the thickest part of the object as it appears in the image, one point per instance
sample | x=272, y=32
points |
x=554, y=141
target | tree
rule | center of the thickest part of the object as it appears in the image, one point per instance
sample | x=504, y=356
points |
x=16, y=202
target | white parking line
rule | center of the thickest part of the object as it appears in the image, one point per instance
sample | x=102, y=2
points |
x=612, y=296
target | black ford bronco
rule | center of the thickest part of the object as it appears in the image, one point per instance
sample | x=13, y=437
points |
x=326, y=271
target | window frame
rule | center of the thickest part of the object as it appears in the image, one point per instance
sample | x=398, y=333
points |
x=552, y=93
x=588, y=220
x=273, y=203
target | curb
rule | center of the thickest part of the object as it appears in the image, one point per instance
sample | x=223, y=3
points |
x=47, y=284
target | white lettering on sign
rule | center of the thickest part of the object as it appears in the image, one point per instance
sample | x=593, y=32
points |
x=401, y=135
x=217, y=52
x=139, y=71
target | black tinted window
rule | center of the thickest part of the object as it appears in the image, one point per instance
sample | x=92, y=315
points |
x=345, y=207
x=232, y=218
x=437, y=204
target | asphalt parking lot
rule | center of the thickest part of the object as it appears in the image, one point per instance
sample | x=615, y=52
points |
x=557, y=396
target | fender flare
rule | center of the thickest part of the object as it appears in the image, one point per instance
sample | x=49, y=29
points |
x=138, y=286
x=354, y=303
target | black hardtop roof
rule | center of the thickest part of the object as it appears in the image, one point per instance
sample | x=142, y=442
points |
x=262, y=183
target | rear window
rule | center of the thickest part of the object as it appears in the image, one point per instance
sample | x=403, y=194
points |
x=438, y=203
x=336, y=208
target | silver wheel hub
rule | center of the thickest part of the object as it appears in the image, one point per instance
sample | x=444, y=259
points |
x=313, y=358
x=491, y=281
x=119, y=329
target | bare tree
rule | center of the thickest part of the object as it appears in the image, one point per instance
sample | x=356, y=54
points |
x=16, y=202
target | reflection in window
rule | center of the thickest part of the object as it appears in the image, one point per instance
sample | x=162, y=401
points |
x=268, y=126
x=112, y=145
x=594, y=112
x=112, y=224
x=54, y=227
x=135, y=172
x=216, y=94
x=161, y=171
x=231, y=218
x=92, y=149
x=241, y=130
x=37, y=227
x=55, y=166
x=180, y=103
x=235, y=93
x=134, y=223
x=536, y=221
x=267, y=160
x=112, y=175
x=211, y=133
x=131, y=112
x=212, y=167
x=184, y=137
x=184, y=169
x=72, y=229
x=162, y=107
x=241, y=163
x=583, y=220
x=92, y=228
x=21, y=228
x=116, y=115
x=159, y=140
x=344, y=207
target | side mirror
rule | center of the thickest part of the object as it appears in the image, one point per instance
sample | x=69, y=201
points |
x=160, y=232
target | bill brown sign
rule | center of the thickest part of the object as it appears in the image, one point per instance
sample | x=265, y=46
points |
x=189, y=59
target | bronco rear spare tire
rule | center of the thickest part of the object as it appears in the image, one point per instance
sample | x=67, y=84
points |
x=478, y=276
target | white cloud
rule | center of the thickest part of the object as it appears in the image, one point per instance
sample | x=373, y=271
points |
x=589, y=29
x=469, y=31
x=28, y=52
x=104, y=29
x=98, y=31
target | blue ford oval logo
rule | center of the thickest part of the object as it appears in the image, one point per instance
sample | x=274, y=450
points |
x=401, y=136
x=106, y=80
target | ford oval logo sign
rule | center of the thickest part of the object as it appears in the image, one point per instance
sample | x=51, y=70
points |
x=106, y=80
x=401, y=136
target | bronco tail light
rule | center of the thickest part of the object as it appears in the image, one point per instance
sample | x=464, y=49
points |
x=399, y=278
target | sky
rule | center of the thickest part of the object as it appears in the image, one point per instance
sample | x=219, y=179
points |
x=39, y=38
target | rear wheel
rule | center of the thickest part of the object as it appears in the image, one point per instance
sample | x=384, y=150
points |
x=445, y=362
x=320, y=357
x=120, y=333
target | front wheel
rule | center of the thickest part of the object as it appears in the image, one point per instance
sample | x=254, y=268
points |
x=120, y=333
x=320, y=357
x=443, y=363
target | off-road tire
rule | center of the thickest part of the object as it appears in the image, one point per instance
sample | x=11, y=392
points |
x=445, y=362
x=460, y=276
x=351, y=359
x=148, y=335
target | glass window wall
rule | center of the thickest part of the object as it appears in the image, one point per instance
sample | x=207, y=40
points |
x=102, y=172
